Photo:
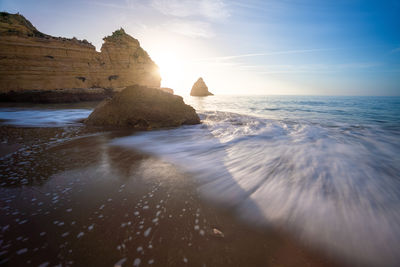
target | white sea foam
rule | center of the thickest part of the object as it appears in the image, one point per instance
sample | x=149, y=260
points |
x=335, y=185
x=42, y=117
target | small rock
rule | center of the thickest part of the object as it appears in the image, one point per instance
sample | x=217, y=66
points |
x=218, y=233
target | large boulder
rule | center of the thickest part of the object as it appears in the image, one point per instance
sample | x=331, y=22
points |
x=200, y=88
x=143, y=108
x=168, y=90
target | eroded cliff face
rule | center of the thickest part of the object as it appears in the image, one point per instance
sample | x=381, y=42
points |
x=31, y=60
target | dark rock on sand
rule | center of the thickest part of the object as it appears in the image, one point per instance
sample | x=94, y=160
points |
x=143, y=108
x=168, y=90
x=200, y=88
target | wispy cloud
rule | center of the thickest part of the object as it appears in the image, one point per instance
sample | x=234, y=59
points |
x=301, y=51
x=128, y=5
x=192, y=29
x=191, y=18
x=209, y=9
x=297, y=68
x=264, y=6
x=396, y=50
x=317, y=68
x=235, y=62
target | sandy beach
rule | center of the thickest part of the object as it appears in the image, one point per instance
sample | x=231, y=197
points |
x=68, y=197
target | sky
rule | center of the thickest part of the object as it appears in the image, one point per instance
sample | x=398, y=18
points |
x=308, y=47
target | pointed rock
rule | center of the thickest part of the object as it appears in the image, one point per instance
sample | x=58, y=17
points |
x=200, y=88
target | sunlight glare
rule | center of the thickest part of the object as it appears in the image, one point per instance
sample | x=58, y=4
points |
x=172, y=70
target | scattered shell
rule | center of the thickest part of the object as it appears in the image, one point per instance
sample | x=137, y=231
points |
x=218, y=233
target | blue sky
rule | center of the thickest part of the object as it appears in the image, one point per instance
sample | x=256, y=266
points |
x=245, y=47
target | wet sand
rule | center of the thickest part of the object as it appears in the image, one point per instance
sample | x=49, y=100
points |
x=67, y=197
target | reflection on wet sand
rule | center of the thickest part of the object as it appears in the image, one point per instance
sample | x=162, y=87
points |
x=87, y=203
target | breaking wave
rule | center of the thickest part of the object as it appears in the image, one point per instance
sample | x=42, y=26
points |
x=335, y=186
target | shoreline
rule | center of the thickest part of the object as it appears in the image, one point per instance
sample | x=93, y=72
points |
x=74, y=183
x=56, y=96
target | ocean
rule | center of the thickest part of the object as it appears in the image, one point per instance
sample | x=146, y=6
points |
x=325, y=169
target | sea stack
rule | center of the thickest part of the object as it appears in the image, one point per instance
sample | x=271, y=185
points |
x=200, y=88
x=143, y=108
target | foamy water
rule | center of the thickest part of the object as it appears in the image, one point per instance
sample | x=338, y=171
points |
x=326, y=169
x=52, y=115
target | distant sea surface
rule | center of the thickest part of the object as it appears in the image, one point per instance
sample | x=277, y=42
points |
x=326, y=169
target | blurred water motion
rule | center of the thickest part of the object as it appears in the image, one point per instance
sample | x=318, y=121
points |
x=326, y=169
x=323, y=168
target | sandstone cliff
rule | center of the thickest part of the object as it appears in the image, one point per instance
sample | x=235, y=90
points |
x=200, y=88
x=168, y=90
x=143, y=108
x=31, y=60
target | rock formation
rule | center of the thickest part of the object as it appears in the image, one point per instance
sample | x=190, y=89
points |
x=168, y=90
x=32, y=62
x=143, y=108
x=200, y=88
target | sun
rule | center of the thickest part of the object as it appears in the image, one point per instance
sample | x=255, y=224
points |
x=177, y=59
x=173, y=71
